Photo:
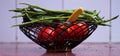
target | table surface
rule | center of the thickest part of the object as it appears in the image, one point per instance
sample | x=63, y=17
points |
x=83, y=49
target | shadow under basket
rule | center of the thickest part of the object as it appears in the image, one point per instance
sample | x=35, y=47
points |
x=59, y=36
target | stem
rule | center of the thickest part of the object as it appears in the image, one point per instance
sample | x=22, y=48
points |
x=18, y=16
x=110, y=19
x=27, y=14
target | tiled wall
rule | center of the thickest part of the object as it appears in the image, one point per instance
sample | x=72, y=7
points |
x=102, y=34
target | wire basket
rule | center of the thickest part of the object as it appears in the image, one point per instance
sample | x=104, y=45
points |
x=59, y=36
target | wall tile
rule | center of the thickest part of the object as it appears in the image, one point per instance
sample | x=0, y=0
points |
x=116, y=23
x=7, y=34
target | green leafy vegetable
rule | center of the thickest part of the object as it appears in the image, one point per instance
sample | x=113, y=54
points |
x=34, y=14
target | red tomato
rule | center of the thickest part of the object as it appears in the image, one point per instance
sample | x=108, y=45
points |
x=84, y=28
x=78, y=30
x=72, y=32
x=62, y=35
x=46, y=34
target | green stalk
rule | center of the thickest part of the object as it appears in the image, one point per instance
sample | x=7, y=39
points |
x=110, y=19
x=18, y=16
x=46, y=10
x=47, y=15
x=27, y=14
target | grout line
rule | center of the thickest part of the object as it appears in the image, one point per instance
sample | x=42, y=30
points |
x=110, y=14
x=110, y=29
x=63, y=5
x=16, y=32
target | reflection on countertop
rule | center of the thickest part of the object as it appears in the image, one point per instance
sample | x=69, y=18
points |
x=84, y=49
x=59, y=54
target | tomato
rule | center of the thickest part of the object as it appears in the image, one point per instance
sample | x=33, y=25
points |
x=46, y=34
x=49, y=34
x=75, y=31
x=78, y=30
x=60, y=34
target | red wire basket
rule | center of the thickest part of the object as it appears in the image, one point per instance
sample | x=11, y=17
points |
x=59, y=36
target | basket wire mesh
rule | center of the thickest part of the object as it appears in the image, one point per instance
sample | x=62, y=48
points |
x=61, y=36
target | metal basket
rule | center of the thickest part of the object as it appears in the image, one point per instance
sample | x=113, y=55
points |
x=59, y=36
